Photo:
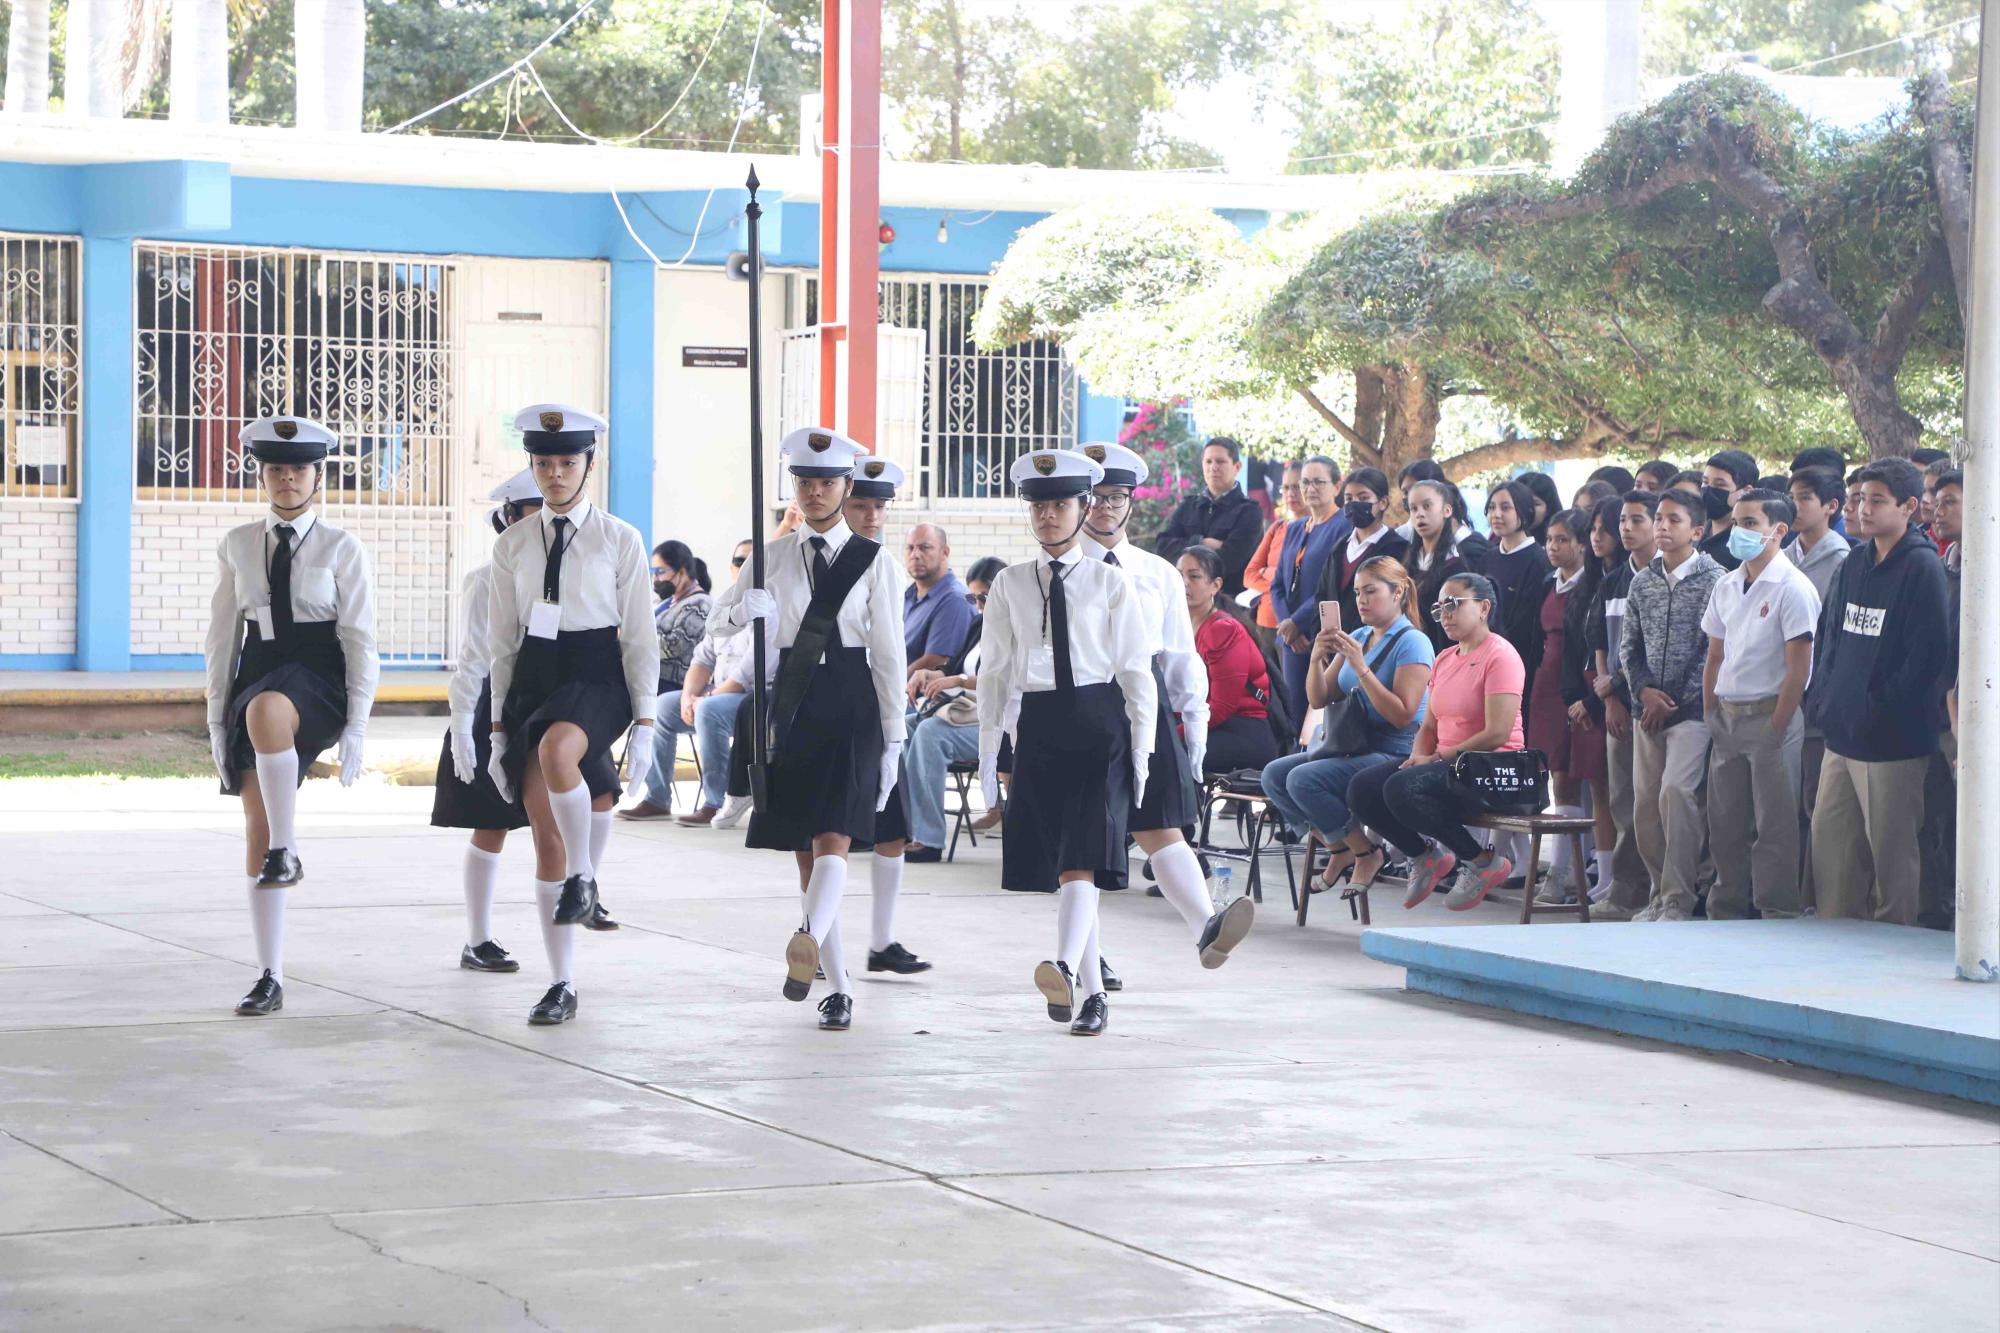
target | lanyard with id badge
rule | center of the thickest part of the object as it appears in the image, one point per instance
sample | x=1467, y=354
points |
x=1041, y=666
x=545, y=616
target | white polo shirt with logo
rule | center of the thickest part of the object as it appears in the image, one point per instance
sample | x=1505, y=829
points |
x=1755, y=623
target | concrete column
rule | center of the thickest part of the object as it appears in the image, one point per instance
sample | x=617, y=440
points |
x=630, y=441
x=93, y=76
x=28, y=58
x=1600, y=72
x=860, y=210
x=329, y=42
x=104, y=517
x=198, y=63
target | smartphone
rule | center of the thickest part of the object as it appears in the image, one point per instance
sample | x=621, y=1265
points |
x=1329, y=616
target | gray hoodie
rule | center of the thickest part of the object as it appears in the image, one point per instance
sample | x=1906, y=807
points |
x=1664, y=644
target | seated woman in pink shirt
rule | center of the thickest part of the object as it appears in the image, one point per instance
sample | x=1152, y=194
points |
x=1475, y=705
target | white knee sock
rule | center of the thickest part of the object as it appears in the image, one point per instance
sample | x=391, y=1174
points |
x=1603, y=890
x=278, y=782
x=1076, y=915
x=600, y=838
x=267, y=922
x=572, y=811
x=831, y=960
x=1560, y=858
x=886, y=879
x=558, y=941
x=823, y=890
x=1090, y=977
x=482, y=873
x=1178, y=871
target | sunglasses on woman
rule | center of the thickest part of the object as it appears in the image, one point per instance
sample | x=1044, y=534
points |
x=978, y=600
x=1448, y=605
x=736, y=561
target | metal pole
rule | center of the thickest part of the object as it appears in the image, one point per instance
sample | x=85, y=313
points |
x=751, y=213
x=831, y=147
x=1978, y=942
x=860, y=200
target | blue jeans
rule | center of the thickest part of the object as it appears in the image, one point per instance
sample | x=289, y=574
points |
x=1312, y=793
x=933, y=745
x=714, y=715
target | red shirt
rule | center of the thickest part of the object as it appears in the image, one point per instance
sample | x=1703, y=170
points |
x=1235, y=668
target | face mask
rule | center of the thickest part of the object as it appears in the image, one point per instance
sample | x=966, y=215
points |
x=663, y=588
x=1715, y=500
x=1360, y=513
x=1746, y=545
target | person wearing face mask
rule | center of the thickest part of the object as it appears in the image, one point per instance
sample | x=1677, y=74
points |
x=1726, y=476
x=1364, y=503
x=681, y=583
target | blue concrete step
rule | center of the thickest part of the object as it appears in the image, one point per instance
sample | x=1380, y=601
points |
x=1856, y=997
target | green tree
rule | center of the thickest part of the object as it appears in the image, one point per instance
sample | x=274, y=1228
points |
x=1687, y=36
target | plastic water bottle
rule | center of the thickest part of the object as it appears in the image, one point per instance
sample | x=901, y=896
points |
x=1222, y=896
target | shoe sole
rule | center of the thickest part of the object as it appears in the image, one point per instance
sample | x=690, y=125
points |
x=605, y=926
x=1486, y=886
x=1086, y=1032
x=536, y=1021
x=801, y=961
x=825, y=1026
x=259, y=1013
x=509, y=966
x=1237, y=919
x=1056, y=990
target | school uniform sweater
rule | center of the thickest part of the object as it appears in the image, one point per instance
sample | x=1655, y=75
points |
x=1665, y=648
x=1883, y=654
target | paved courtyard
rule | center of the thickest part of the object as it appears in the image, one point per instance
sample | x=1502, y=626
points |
x=1290, y=1142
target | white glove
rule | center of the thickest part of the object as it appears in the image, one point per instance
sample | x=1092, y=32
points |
x=1195, y=729
x=464, y=755
x=892, y=755
x=989, y=780
x=218, y=745
x=494, y=769
x=638, y=753
x=758, y=604
x=350, y=752
x=1142, y=761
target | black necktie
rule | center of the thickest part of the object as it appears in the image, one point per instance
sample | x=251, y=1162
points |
x=821, y=565
x=1111, y=558
x=281, y=583
x=552, y=571
x=1059, y=628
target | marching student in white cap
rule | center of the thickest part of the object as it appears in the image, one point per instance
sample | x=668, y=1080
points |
x=574, y=660
x=835, y=618
x=291, y=668
x=867, y=509
x=1172, y=799
x=1066, y=671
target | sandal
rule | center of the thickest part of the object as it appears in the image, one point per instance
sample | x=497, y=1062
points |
x=1329, y=877
x=1355, y=890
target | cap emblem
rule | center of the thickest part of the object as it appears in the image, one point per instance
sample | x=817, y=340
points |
x=873, y=469
x=819, y=441
x=1045, y=464
x=1094, y=452
x=552, y=421
x=285, y=430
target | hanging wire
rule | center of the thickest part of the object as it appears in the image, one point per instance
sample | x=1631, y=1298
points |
x=486, y=83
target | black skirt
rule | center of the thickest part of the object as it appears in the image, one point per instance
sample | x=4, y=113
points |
x=1173, y=790
x=824, y=771
x=1072, y=789
x=307, y=667
x=892, y=821
x=576, y=677
x=474, y=805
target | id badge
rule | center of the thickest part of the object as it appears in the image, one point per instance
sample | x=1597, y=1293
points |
x=265, y=629
x=544, y=619
x=1041, y=668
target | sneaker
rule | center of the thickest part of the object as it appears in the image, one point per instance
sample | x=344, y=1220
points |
x=733, y=810
x=1608, y=911
x=1673, y=912
x=1475, y=881
x=1558, y=890
x=1650, y=912
x=1430, y=870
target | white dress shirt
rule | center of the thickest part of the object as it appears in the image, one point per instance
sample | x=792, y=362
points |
x=870, y=618
x=475, y=606
x=1163, y=599
x=331, y=580
x=1755, y=623
x=607, y=582
x=1108, y=641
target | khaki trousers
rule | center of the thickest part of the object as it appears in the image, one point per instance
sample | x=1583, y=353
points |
x=1631, y=886
x=1667, y=768
x=1864, y=837
x=1753, y=811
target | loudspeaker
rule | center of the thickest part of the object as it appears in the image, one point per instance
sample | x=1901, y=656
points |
x=737, y=266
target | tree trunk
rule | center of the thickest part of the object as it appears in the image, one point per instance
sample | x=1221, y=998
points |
x=1951, y=181
x=1409, y=425
x=1370, y=405
x=28, y=58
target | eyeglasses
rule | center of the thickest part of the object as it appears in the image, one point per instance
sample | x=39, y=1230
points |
x=1114, y=500
x=737, y=561
x=1316, y=482
x=659, y=573
x=978, y=599
x=1448, y=605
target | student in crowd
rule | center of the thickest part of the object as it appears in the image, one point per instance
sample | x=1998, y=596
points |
x=681, y=582
x=1438, y=551
x=1933, y=475
x=1592, y=494
x=1850, y=510
x=1518, y=567
x=1309, y=543
x=1881, y=663
x=709, y=699
x=1760, y=623
x=1771, y=481
x=946, y=729
x=1813, y=545
x=1665, y=654
x=1263, y=565
x=1833, y=461
x=1221, y=517
x=1364, y=503
x=1655, y=475
x=1573, y=761
x=1932, y=461
x=1239, y=723
x=1583, y=630
x=1940, y=833
x=1384, y=663
x=1547, y=503
x=1422, y=469
x=1727, y=475
x=936, y=614
x=1631, y=883
x=1417, y=804
x=1617, y=478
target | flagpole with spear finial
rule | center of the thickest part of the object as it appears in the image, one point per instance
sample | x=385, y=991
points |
x=759, y=702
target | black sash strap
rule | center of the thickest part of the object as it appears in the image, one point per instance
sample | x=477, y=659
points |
x=817, y=630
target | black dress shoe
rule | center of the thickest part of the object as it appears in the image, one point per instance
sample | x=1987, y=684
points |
x=1058, y=987
x=557, y=1006
x=1111, y=981
x=1091, y=1018
x=579, y=898
x=486, y=957
x=1224, y=931
x=599, y=919
x=801, y=965
x=925, y=856
x=281, y=866
x=1153, y=891
x=266, y=997
x=836, y=1012
x=896, y=959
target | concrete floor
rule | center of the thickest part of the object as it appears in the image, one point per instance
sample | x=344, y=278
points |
x=1290, y=1142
